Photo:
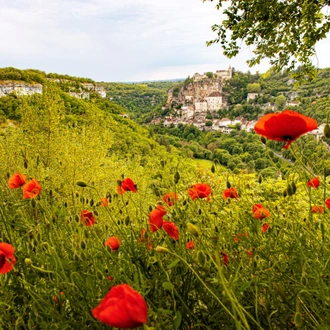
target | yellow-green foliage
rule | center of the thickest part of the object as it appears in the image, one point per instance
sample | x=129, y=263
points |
x=268, y=279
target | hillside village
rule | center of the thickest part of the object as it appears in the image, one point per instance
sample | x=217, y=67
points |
x=201, y=97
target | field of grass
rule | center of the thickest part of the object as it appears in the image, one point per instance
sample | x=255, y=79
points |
x=253, y=257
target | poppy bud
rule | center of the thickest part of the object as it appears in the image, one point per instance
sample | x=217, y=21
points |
x=289, y=189
x=192, y=229
x=127, y=221
x=285, y=193
x=81, y=184
x=298, y=320
x=50, y=193
x=327, y=131
x=212, y=168
x=228, y=184
x=260, y=178
x=160, y=249
x=28, y=261
x=176, y=177
x=294, y=187
x=201, y=258
x=26, y=164
x=263, y=139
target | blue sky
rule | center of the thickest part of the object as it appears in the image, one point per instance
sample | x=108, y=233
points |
x=118, y=40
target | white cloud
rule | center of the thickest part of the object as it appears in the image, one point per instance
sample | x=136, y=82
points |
x=113, y=40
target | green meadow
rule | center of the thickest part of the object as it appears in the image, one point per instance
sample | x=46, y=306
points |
x=245, y=270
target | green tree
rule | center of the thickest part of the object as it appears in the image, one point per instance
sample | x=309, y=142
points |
x=280, y=101
x=283, y=31
x=253, y=88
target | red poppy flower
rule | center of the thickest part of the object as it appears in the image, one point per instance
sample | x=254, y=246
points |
x=327, y=203
x=200, y=190
x=16, y=180
x=156, y=218
x=190, y=245
x=314, y=183
x=110, y=278
x=104, y=202
x=170, y=198
x=171, y=229
x=7, y=259
x=264, y=227
x=126, y=185
x=286, y=126
x=317, y=209
x=225, y=258
x=122, y=308
x=87, y=218
x=230, y=193
x=113, y=242
x=259, y=211
x=250, y=253
x=31, y=189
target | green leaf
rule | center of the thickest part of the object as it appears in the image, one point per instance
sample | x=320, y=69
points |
x=173, y=264
x=168, y=286
x=165, y=311
x=177, y=320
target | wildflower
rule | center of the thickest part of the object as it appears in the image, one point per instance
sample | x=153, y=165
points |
x=126, y=185
x=225, y=258
x=250, y=253
x=314, y=183
x=16, y=180
x=104, y=202
x=156, y=218
x=264, y=227
x=110, y=278
x=122, y=307
x=31, y=189
x=230, y=193
x=200, y=190
x=317, y=209
x=87, y=218
x=259, y=211
x=113, y=242
x=171, y=229
x=286, y=126
x=7, y=259
x=170, y=198
x=190, y=245
x=327, y=203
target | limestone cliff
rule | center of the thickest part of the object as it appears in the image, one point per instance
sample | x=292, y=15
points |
x=19, y=87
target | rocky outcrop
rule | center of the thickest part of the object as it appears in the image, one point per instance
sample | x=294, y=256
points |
x=19, y=88
x=204, y=95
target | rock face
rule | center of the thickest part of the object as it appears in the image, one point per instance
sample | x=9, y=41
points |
x=19, y=87
x=80, y=90
x=203, y=93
